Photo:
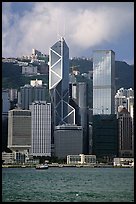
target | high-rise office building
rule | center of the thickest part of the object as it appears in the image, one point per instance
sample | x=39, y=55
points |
x=124, y=98
x=68, y=139
x=78, y=92
x=4, y=131
x=19, y=130
x=5, y=109
x=103, y=82
x=41, y=128
x=5, y=101
x=33, y=92
x=59, y=83
x=105, y=136
x=125, y=133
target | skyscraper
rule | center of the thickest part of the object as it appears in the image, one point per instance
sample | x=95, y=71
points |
x=19, y=130
x=41, y=128
x=68, y=139
x=5, y=109
x=5, y=101
x=34, y=92
x=78, y=92
x=103, y=82
x=105, y=136
x=125, y=133
x=59, y=83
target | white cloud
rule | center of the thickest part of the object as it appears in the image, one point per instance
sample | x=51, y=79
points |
x=83, y=24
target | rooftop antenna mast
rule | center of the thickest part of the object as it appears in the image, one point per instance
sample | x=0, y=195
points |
x=64, y=28
x=58, y=35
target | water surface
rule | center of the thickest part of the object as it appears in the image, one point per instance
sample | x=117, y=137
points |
x=68, y=185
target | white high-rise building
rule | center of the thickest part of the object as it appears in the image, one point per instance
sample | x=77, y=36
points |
x=124, y=98
x=41, y=128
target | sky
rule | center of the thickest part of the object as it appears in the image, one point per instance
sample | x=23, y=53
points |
x=85, y=26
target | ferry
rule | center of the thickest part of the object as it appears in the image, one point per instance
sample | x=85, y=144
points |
x=42, y=166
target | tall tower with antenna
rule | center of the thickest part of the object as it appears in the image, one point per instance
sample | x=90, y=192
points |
x=62, y=112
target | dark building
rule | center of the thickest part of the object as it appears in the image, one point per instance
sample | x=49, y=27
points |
x=4, y=131
x=125, y=133
x=68, y=139
x=30, y=94
x=5, y=109
x=77, y=114
x=43, y=68
x=105, y=136
x=78, y=93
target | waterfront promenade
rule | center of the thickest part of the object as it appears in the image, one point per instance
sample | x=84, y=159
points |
x=64, y=165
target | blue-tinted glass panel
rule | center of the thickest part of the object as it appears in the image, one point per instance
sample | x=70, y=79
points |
x=57, y=68
x=54, y=58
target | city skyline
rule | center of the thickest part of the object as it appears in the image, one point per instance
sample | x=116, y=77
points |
x=86, y=26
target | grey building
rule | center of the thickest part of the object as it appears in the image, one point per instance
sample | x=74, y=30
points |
x=5, y=109
x=103, y=82
x=78, y=92
x=19, y=130
x=4, y=131
x=30, y=94
x=68, y=139
x=13, y=94
x=41, y=128
x=5, y=101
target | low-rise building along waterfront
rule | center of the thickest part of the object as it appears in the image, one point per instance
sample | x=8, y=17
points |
x=81, y=159
x=124, y=162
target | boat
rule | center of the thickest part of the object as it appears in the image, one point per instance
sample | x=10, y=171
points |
x=42, y=166
x=23, y=166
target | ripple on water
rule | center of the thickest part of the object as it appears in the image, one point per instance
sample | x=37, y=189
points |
x=68, y=185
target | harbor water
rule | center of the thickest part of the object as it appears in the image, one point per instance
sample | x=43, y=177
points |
x=68, y=184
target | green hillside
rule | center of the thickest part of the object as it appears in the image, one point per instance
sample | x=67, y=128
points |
x=12, y=77
x=124, y=73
